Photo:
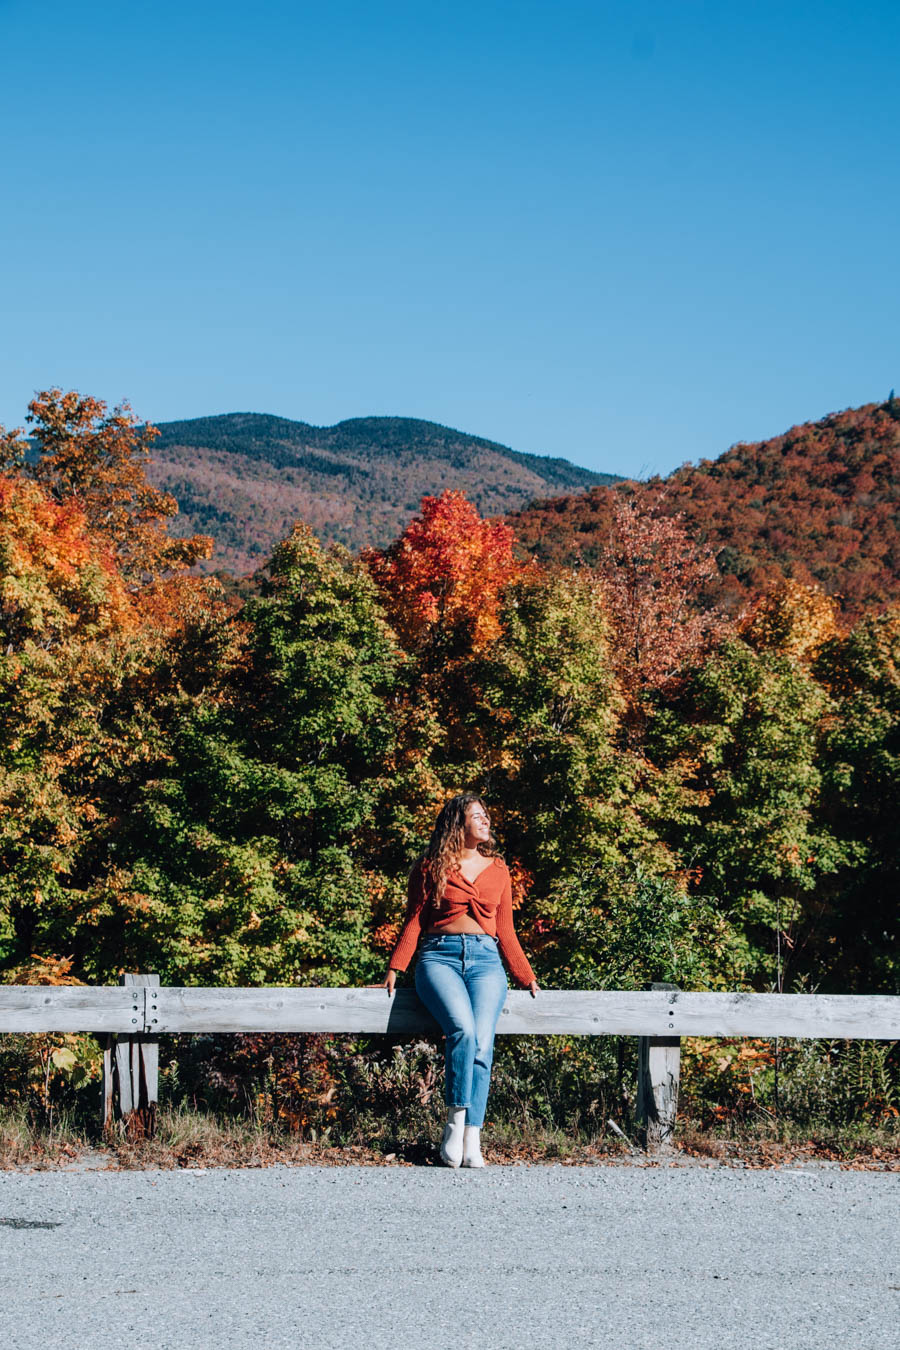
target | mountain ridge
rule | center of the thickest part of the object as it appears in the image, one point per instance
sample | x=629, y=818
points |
x=245, y=477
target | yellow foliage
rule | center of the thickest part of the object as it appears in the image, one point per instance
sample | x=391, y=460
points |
x=793, y=619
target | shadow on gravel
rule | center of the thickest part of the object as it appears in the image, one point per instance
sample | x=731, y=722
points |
x=420, y=1155
x=30, y=1223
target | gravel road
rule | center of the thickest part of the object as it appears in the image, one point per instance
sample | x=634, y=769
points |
x=541, y=1256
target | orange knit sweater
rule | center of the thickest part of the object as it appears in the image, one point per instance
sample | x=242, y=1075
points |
x=489, y=901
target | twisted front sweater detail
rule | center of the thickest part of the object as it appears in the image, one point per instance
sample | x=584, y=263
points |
x=488, y=899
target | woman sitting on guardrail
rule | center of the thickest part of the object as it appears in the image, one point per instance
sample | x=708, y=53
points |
x=459, y=914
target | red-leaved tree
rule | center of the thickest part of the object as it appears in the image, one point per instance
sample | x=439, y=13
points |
x=444, y=576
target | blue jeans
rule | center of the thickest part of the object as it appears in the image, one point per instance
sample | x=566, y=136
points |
x=461, y=980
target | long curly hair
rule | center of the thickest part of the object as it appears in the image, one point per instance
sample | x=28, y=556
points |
x=448, y=838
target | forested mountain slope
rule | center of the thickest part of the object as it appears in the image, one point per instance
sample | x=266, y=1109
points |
x=246, y=477
x=819, y=503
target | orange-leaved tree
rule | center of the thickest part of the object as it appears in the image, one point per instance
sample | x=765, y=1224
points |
x=54, y=581
x=98, y=459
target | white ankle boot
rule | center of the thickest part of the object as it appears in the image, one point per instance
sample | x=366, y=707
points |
x=452, y=1142
x=472, y=1147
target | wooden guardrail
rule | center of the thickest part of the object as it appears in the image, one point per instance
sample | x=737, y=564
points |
x=132, y=1015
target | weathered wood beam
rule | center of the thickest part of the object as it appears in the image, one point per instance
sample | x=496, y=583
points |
x=553, y=1011
x=569, y=1012
x=104, y=1008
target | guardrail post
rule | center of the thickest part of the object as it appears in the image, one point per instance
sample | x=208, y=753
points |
x=106, y=1084
x=659, y=1069
x=130, y=1083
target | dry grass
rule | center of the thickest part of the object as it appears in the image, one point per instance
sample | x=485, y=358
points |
x=768, y=1145
x=191, y=1139
x=24, y=1145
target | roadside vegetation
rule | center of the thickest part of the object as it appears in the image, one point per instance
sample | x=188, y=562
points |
x=257, y=1100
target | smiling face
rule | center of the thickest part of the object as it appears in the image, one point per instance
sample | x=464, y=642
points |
x=478, y=825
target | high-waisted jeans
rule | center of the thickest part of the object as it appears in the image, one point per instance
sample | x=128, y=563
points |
x=461, y=980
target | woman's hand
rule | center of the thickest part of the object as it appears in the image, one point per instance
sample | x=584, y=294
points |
x=533, y=988
x=389, y=981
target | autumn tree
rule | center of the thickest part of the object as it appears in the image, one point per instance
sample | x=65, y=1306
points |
x=101, y=651
x=98, y=460
x=792, y=618
x=653, y=575
x=442, y=579
x=58, y=603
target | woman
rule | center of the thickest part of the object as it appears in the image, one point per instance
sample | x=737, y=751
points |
x=459, y=913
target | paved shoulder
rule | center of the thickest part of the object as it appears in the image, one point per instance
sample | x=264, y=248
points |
x=509, y=1257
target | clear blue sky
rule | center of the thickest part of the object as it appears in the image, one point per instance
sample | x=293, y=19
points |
x=629, y=234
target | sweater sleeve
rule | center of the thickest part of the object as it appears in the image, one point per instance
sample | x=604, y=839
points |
x=507, y=941
x=417, y=895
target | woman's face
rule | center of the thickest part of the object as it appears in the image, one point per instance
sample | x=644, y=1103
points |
x=478, y=825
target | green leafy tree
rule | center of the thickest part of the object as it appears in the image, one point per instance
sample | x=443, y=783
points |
x=860, y=933
x=743, y=736
x=266, y=854
x=538, y=713
x=623, y=926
